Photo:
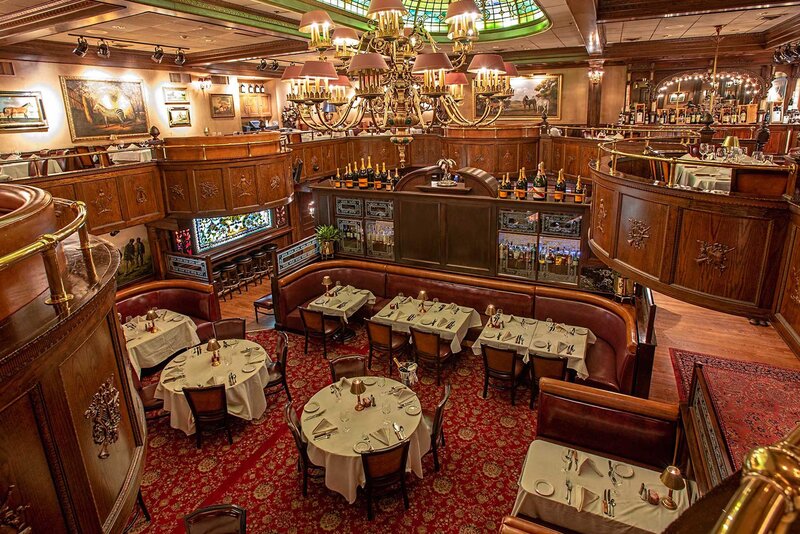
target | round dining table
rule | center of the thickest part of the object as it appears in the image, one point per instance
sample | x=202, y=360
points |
x=247, y=360
x=339, y=452
x=174, y=332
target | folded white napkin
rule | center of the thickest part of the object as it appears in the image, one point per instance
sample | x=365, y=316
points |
x=588, y=466
x=442, y=322
x=406, y=394
x=562, y=347
x=584, y=498
x=381, y=436
x=344, y=383
x=508, y=336
x=14, y=157
x=214, y=381
x=323, y=427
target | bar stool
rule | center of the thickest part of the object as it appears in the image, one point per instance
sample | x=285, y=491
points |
x=246, y=272
x=230, y=278
x=219, y=286
x=260, y=265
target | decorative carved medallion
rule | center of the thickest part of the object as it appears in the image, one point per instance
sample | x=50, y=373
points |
x=141, y=195
x=314, y=163
x=12, y=520
x=105, y=416
x=384, y=153
x=638, y=233
x=713, y=254
x=103, y=202
x=208, y=189
x=275, y=182
x=602, y=213
x=794, y=292
x=244, y=186
x=176, y=190
x=507, y=156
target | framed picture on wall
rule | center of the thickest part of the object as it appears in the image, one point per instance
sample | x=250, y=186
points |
x=176, y=95
x=22, y=110
x=98, y=109
x=221, y=106
x=533, y=95
x=677, y=98
x=179, y=117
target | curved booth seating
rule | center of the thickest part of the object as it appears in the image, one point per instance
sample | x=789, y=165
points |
x=612, y=360
x=193, y=299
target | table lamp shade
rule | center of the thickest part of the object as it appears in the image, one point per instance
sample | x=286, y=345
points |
x=151, y=315
x=357, y=387
x=490, y=310
x=423, y=296
x=511, y=69
x=326, y=281
x=672, y=479
x=731, y=141
x=213, y=345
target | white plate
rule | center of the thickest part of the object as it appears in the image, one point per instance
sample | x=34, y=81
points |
x=623, y=470
x=232, y=342
x=488, y=333
x=179, y=359
x=369, y=381
x=539, y=344
x=412, y=410
x=319, y=301
x=311, y=407
x=248, y=369
x=581, y=331
x=544, y=488
x=361, y=446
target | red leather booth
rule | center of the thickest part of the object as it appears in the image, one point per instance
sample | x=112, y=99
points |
x=194, y=299
x=612, y=360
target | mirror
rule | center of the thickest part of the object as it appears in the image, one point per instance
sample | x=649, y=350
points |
x=691, y=89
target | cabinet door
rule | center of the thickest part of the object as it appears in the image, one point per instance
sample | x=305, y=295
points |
x=142, y=196
x=103, y=203
x=250, y=106
x=265, y=102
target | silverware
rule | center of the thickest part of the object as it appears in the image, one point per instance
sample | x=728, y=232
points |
x=612, y=508
x=569, y=492
x=325, y=435
x=569, y=468
x=398, y=431
x=611, y=473
x=310, y=417
x=548, y=346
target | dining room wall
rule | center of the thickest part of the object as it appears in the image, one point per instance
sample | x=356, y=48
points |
x=45, y=78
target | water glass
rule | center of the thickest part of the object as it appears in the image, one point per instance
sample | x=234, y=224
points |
x=758, y=156
x=382, y=382
x=704, y=150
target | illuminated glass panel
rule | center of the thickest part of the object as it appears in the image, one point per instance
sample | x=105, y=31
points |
x=216, y=231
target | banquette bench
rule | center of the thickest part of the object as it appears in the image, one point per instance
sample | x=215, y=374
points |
x=194, y=299
x=612, y=360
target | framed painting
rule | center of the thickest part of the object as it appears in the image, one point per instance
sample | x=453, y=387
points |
x=533, y=95
x=98, y=109
x=21, y=110
x=222, y=106
x=176, y=95
x=179, y=117
x=136, y=260
x=677, y=98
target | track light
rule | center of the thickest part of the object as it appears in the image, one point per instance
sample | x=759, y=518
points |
x=103, y=50
x=81, y=48
x=262, y=66
x=158, y=55
x=180, y=58
x=274, y=65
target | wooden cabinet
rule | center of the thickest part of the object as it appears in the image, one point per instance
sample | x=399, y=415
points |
x=255, y=106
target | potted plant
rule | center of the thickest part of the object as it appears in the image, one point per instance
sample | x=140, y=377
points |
x=327, y=235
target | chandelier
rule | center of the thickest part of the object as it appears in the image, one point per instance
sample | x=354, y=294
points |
x=389, y=76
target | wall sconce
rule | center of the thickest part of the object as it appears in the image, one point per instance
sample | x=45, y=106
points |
x=204, y=83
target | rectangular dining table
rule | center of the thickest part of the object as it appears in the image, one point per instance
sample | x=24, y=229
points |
x=544, y=465
x=342, y=302
x=174, y=332
x=450, y=321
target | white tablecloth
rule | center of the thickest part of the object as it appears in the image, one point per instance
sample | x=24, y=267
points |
x=544, y=461
x=436, y=319
x=540, y=338
x=245, y=398
x=174, y=332
x=343, y=303
x=19, y=168
x=344, y=472
x=129, y=155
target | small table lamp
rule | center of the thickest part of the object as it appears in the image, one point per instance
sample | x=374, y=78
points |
x=327, y=282
x=151, y=316
x=423, y=296
x=731, y=141
x=357, y=388
x=213, y=347
x=490, y=310
x=672, y=479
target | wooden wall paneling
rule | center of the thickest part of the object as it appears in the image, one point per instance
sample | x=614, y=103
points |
x=179, y=191
x=787, y=316
x=545, y=151
x=312, y=158
x=457, y=152
x=469, y=238
x=642, y=233
x=328, y=158
x=103, y=203
x=298, y=156
x=60, y=191
x=529, y=155
x=143, y=199
x=342, y=155
x=481, y=156
x=586, y=153
x=418, y=227
x=209, y=189
x=603, y=219
x=507, y=159
x=570, y=162
x=557, y=158
x=274, y=181
x=242, y=188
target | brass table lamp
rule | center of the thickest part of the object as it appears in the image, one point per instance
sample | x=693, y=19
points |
x=213, y=347
x=358, y=388
x=151, y=316
x=490, y=310
x=672, y=479
x=731, y=141
x=327, y=282
x=423, y=296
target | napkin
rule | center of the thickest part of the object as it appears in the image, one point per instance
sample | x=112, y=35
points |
x=344, y=383
x=585, y=498
x=334, y=302
x=323, y=427
x=442, y=322
x=507, y=336
x=380, y=435
x=562, y=347
x=14, y=157
x=406, y=394
x=588, y=466
x=215, y=381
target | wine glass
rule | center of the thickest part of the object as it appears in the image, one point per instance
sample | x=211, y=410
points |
x=344, y=417
x=722, y=153
x=704, y=150
x=382, y=382
x=758, y=156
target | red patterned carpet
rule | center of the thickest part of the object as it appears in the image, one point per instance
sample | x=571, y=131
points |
x=756, y=403
x=476, y=486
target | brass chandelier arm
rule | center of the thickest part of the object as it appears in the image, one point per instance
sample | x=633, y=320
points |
x=451, y=108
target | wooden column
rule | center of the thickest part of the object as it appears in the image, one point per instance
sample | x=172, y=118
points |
x=593, y=109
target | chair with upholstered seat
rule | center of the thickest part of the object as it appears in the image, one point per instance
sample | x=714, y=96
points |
x=384, y=469
x=229, y=329
x=277, y=369
x=503, y=368
x=430, y=349
x=304, y=464
x=316, y=325
x=435, y=421
x=217, y=519
x=385, y=341
x=205, y=332
x=348, y=367
x=209, y=406
x=541, y=367
x=152, y=405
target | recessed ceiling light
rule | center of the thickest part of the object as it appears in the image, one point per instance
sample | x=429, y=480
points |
x=674, y=27
x=117, y=27
x=96, y=32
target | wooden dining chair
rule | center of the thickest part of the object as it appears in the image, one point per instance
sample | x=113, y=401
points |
x=430, y=349
x=545, y=367
x=385, y=469
x=383, y=340
x=205, y=331
x=209, y=406
x=152, y=406
x=348, y=367
x=217, y=519
x=277, y=369
x=503, y=368
x=304, y=464
x=435, y=421
x=316, y=325
x=229, y=329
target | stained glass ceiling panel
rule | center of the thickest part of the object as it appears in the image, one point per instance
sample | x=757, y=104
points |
x=497, y=14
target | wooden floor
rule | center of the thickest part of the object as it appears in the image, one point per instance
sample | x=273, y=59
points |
x=678, y=325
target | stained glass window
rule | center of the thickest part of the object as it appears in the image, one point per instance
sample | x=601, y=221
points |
x=215, y=231
x=497, y=14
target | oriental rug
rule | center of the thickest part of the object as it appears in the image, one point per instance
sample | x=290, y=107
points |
x=476, y=486
x=756, y=403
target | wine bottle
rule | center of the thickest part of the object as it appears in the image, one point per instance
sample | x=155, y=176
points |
x=579, y=191
x=502, y=191
x=362, y=176
x=337, y=182
x=378, y=181
x=348, y=177
x=370, y=173
x=521, y=188
x=540, y=184
x=560, y=188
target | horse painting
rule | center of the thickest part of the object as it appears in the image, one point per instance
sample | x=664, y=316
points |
x=10, y=111
x=21, y=110
x=533, y=95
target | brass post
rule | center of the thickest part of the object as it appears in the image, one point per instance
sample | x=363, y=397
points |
x=249, y=150
x=86, y=250
x=672, y=172
x=58, y=293
x=204, y=153
x=614, y=163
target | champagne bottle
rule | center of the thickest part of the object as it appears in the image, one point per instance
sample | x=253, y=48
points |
x=521, y=188
x=363, y=183
x=561, y=187
x=579, y=191
x=337, y=182
x=370, y=173
x=540, y=184
x=502, y=191
x=384, y=177
x=348, y=177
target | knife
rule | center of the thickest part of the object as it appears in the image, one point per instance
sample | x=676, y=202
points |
x=605, y=502
x=309, y=418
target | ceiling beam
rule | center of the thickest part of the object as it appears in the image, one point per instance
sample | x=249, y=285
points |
x=584, y=13
x=788, y=30
x=266, y=50
x=625, y=10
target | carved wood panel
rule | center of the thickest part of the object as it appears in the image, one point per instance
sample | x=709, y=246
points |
x=143, y=197
x=642, y=230
x=243, y=187
x=209, y=189
x=529, y=155
x=603, y=218
x=273, y=182
x=103, y=203
x=570, y=164
x=178, y=191
x=414, y=220
x=507, y=158
x=328, y=158
x=481, y=157
x=789, y=293
x=585, y=155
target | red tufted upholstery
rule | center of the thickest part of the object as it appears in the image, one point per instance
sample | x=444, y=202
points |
x=194, y=299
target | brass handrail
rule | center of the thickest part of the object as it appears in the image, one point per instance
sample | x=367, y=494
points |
x=46, y=246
